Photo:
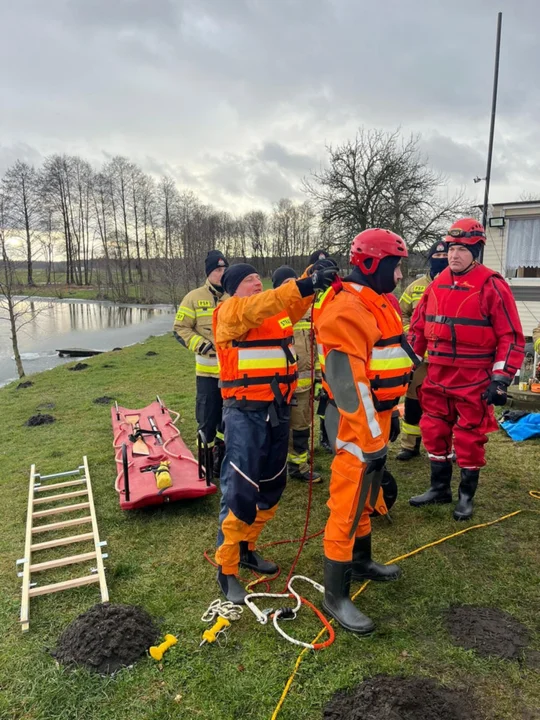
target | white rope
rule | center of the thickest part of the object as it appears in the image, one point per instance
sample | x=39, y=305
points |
x=224, y=609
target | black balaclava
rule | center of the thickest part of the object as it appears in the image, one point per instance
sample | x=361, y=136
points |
x=382, y=281
x=437, y=265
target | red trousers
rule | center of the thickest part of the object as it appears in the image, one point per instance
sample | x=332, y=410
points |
x=452, y=405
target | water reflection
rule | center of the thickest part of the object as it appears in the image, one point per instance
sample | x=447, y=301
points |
x=49, y=325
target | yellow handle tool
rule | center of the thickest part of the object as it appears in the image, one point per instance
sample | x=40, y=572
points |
x=157, y=651
x=219, y=626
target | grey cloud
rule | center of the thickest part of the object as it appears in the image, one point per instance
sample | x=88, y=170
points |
x=9, y=154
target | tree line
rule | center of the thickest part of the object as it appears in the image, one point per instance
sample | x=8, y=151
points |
x=119, y=228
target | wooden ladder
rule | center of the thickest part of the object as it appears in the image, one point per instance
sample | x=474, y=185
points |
x=38, y=494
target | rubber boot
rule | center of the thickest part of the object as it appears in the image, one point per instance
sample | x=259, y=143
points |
x=218, y=453
x=439, y=492
x=323, y=438
x=364, y=568
x=252, y=560
x=408, y=453
x=231, y=588
x=467, y=489
x=337, y=603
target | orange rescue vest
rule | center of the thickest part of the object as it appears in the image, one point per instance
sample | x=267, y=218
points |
x=262, y=367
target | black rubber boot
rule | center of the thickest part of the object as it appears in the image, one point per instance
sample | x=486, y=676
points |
x=323, y=438
x=409, y=453
x=439, y=492
x=364, y=568
x=231, y=588
x=252, y=560
x=218, y=453
x=337, y=603
x=467, y=489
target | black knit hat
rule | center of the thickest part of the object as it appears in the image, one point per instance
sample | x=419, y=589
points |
x=233, y=276
x=214, y=260
x=318, y=255
x=281, y=274
x=438, y=247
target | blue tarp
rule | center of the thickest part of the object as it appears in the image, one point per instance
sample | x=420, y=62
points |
x=524, y=428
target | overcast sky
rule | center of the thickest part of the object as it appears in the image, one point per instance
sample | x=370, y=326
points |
x=237, y=98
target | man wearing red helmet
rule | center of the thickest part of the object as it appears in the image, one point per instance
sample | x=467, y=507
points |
x=468, y=322
x=366, y=364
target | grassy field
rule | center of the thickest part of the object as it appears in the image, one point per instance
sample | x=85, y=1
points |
x=156, y=560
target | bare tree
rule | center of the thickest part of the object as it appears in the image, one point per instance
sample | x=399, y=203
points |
x=14, y=309
x=380, y=179
x=22, y=195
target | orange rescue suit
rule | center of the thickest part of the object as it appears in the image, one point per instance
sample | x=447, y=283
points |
x=370, y=372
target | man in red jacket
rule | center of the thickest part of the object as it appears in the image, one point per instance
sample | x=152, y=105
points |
x=469, y=324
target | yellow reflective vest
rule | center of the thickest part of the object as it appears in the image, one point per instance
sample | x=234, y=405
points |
x=536, y=339
x=193, y=326
x=306, y=349
x=411, y=297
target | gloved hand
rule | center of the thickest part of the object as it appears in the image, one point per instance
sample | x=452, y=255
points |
x=205, y=348
x=321, y=264
x=395, y=426
x=317, y=389
x=376, y=465
x=322, y=278
x=496, y=393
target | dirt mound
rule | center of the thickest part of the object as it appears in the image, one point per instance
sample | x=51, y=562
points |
x=105, y=400
x=400, y=698
x=106, y=638
x=79, y=366
x=151, y=353
x=23, y=385
x=40, y=419
x=488, y=631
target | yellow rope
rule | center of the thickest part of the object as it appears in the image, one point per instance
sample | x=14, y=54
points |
x=532, y=493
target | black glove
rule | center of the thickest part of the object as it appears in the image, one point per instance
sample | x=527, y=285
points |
x=324, y=277
x=496, y=393
x=321, y=265
x=395, y=426
x=376, y=465
x=206, y=348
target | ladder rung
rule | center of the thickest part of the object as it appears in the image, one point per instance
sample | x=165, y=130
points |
x=60, y=496
x=61, y=474
x=56, y=486
x=60, y=525
x=61, y=509
x=65, y=585
x=60, y=562
x=62, y=541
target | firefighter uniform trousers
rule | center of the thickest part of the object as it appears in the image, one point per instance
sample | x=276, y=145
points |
x=300, y=431
x=208, y=409
x=348, y=472
x=253, y=478
x=410, y=429
x=452, y=404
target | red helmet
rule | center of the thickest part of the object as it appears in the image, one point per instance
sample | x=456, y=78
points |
x=375, y=243
x=467, y=231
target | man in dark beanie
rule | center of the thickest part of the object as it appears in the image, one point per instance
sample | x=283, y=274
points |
x=258, y=377
x=318, y=255
x=193, y=329
x=411, y=437
x=468, y=322
x=304, y=344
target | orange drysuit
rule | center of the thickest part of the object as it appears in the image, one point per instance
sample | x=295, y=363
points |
x=367, y=370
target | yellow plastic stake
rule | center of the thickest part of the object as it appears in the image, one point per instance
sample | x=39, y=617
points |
x=157, y=651
x=210, y=635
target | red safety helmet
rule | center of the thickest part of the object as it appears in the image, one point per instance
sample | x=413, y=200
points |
x=467, y=231
x=376, y=244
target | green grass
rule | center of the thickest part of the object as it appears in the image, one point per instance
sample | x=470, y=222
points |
x=156, y=560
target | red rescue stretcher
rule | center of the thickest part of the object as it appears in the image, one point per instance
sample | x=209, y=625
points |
x=147, y=441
